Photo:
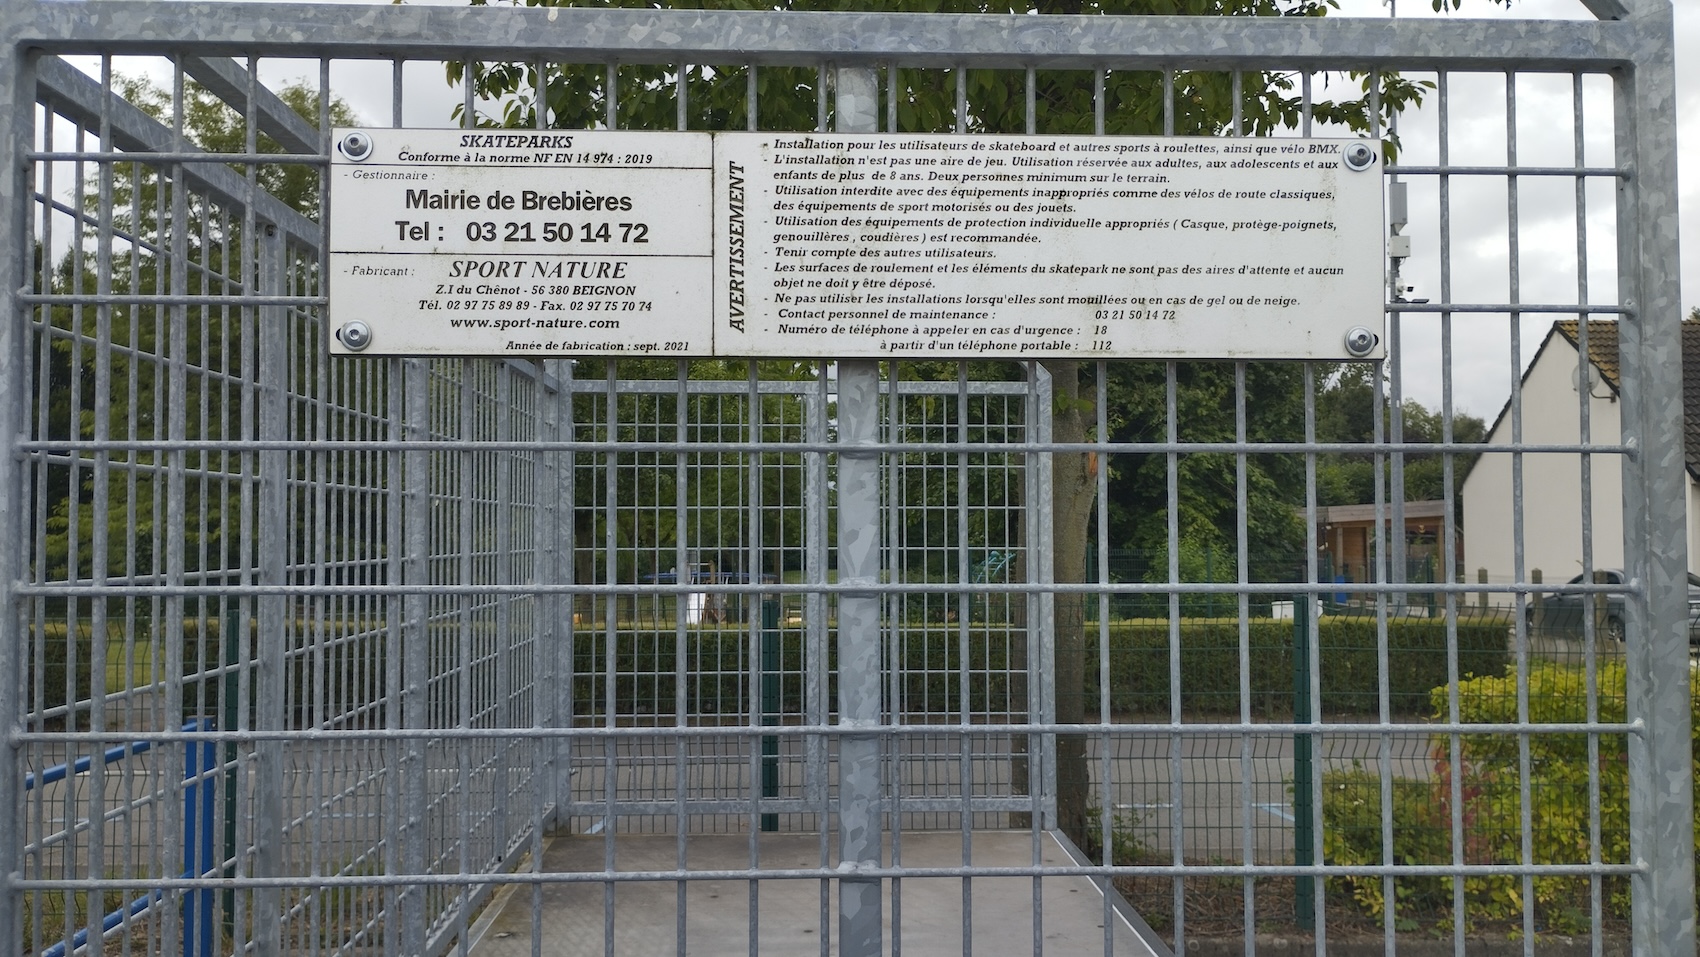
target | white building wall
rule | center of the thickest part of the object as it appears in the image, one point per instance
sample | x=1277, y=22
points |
x=1552, y=484
x=1693, y=523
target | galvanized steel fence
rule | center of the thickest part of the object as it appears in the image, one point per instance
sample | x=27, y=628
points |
x=453, y=641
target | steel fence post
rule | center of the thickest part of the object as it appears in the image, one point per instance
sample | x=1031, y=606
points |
x=1661, y=782
x=17, y=86
x=412, y=833
x=273, y=609
x=860, y=808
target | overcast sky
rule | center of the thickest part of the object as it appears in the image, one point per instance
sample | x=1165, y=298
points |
x=1483, y=363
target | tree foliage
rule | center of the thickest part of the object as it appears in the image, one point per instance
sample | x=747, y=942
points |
x=1348, y=407
x=153, y=228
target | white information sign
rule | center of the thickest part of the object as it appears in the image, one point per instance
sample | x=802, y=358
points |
x=487, y=242
x=564, y=243
x=1025, y=246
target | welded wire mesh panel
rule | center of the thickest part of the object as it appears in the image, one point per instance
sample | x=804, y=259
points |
x=196, y=583
x=623, y=655
x=750, y=647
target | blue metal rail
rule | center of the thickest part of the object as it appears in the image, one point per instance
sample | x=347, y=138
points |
x=198, y=797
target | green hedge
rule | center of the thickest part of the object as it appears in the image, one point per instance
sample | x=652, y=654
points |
x=716, y=681
x=1140, y=663
x=1560, y=814
x=1139, y=668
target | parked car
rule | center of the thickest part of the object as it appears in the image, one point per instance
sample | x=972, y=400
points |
x=1567, y=614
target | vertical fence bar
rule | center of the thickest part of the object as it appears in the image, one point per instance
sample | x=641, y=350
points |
x=174, y=358
x=860, y=809
x=414, y=705
x=1585, y=437
x=17, y=87
x=1655, y=520
x=274, y=626
x=1304, y=831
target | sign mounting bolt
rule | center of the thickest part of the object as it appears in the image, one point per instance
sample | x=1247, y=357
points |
x=1358, y=156
x=1360, y=342
x=357, y=146
x=356, y=335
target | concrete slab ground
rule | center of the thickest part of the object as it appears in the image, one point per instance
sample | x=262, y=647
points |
x=789, y=912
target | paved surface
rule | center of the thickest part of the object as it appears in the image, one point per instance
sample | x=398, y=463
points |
x=1215, y=795
x=789, y=912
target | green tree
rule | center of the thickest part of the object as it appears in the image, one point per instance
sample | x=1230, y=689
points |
x=1348, y=406
x=133, y=383
x=1203, y=104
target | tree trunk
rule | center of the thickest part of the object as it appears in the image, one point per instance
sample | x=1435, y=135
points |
x=1073, y=483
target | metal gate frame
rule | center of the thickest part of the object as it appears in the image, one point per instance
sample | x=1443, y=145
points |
x=1631, y=43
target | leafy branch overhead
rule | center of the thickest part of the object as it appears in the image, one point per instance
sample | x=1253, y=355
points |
x=575, y=96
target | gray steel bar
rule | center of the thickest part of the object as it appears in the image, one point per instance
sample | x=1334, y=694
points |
x=610, y=661
x=1455, y=744
x=274, y=611
x=815, y=485
x=1101, y=481
x=412, y=918
x=394, y=634
x=17, y=87
x=466, y=476
x=187, y=155
x=1654, y=489
x=1585, y=432
x=1040, y=589
x=1608, y=9
x=1171, y=484
x=449, y=445
x=1446, y=169
x=762, y=38
x=565, y=571
x=1242, y=570
x=1192, y=728
x=681, y=660
x=1514, y=260
x=175, y=353
x=611, y=95
x=873, y=873
x=754, y=417
x=861, y=808
x=1314, y=649
x=506, y=466
x=100, y=559
x=549, y=633
x=79, y=97
x=231, y=82
x=964, y=601
x=816, y=704
x=1035, y=588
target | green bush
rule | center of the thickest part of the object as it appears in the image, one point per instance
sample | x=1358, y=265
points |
x=1351, y=834
x=1491, y=809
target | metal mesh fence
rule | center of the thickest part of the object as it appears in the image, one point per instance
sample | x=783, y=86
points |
x=316, y=654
